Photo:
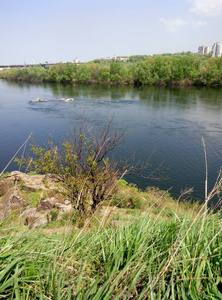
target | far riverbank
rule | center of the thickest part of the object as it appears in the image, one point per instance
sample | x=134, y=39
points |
x=160, y=70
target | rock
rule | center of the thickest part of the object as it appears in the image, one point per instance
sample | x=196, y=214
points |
x=67, y=202
x=14, y=200
x=39, y=100
x=56, y=99
x=65, y=99
x=11, y=198
x=33, y=218
x=39, y=222
x=65, y=208
x=30, y=211
x=5, y=185
x=52, y=181
x=47, y=204
x=29, y=182
x=69, y=99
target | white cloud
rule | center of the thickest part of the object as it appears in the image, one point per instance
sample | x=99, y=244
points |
x=173, y=25
x=211, y=8
x=199, y=24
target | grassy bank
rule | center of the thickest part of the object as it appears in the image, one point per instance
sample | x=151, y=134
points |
x=132, y=256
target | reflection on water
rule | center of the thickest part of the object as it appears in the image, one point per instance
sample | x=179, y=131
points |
x=168, y=122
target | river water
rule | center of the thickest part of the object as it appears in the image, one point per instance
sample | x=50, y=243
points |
x=168, y=123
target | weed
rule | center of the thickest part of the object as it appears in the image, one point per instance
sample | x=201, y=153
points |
x=33, y=198
x=134, y=212
x=4, y=175
x=32, y=173
x=55, y=224
x=54, y=214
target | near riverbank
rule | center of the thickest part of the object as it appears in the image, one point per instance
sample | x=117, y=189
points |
x=158, y=249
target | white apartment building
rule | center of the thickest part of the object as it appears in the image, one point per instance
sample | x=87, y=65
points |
x=203, y=50
x=216, y=50
x=76, y=61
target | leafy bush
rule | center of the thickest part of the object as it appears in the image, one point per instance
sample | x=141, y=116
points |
x=83, y=171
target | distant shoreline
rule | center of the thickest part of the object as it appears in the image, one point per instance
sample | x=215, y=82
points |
x=162, y=70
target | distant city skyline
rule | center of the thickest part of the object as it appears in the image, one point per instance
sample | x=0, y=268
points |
x=61, y=31
x=215, y=52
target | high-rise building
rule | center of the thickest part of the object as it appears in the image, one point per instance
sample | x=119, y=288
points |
x=203, y=50
x=216, y=50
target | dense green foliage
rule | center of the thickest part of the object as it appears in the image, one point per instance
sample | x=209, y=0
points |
x=186, y=69
x=145, y=258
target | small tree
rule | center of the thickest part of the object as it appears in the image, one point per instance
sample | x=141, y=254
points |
x=82, y=167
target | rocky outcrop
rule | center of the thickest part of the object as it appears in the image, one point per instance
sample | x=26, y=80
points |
x=15, y=193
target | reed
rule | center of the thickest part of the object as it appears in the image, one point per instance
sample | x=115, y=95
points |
x=146, y=258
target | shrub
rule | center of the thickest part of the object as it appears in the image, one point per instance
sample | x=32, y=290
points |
x=85, y=174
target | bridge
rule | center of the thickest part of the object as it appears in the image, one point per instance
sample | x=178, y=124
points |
x=26, y=66
x=45, y=65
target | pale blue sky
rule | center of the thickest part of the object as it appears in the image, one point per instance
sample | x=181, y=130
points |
x=61, y=30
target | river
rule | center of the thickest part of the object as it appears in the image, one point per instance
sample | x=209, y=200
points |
x=165, y=123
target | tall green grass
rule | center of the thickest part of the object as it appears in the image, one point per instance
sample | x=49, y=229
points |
x=148, y=258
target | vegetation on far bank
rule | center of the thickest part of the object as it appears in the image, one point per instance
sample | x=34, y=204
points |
x=177, y=69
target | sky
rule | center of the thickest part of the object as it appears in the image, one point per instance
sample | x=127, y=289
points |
x=38, y=31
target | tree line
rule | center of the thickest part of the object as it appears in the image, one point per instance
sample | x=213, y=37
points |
x=187, y=69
